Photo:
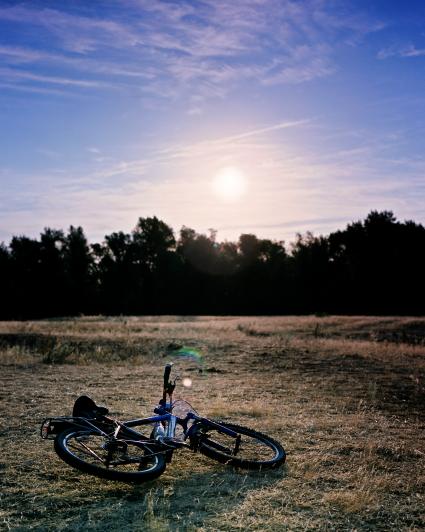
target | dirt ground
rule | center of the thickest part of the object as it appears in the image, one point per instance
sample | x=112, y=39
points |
x=344, y=395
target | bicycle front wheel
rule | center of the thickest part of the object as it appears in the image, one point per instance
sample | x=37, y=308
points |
x=250, y=450
x=105, y=457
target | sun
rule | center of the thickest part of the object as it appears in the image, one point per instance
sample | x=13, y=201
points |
x=229, y=183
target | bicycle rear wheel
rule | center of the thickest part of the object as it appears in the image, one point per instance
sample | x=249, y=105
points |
x=251, y=450
x=105, y=457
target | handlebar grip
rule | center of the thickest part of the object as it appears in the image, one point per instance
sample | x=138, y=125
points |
x=167, y=374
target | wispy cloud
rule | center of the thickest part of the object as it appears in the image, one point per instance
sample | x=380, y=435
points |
x=15, y=87
x=409, y=50
x=209, y=149
x=148, y=133
x=288, y=189
x=259, y=131
x=172, y=50
x=18, y=55
x=13, y=75
x=312, y=68
x=77, y=33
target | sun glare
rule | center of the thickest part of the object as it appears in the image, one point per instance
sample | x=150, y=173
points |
x=229, y=183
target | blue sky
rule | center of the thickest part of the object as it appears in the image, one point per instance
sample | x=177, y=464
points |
x=111, y=110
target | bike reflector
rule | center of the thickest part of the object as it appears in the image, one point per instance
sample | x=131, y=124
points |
x=45, y=429
x=52, y=426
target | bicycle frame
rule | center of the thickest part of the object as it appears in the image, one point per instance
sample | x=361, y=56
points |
x=52, y=426
x=164, y=423
x=164, y=411
x=106, y=447
x=172, y=421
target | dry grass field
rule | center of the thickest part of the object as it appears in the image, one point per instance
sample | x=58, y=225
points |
x=344, y=395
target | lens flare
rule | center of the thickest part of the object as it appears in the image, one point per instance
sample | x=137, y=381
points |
x=187, y=383
x=190, y=354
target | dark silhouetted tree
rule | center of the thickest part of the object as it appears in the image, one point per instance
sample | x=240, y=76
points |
x=79, y=284
x=116, y=273
x=6, y=279
x=52, y=272
x=310, y=268
x=26, y=277
x=372, y=266
x=153, y=246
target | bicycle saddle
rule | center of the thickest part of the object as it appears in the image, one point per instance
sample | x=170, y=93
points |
x=84, y=406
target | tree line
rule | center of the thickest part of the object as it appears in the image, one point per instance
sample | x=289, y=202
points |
x=374, y=266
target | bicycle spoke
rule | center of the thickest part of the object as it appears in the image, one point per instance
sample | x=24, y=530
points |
x=116, y=454
x=86, y=450
x=249, y=449
x=218, y=446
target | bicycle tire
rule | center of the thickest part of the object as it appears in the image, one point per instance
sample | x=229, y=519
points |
x=257, y=450
x=81, y=459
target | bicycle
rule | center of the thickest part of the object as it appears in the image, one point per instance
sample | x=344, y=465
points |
x=95, y=443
